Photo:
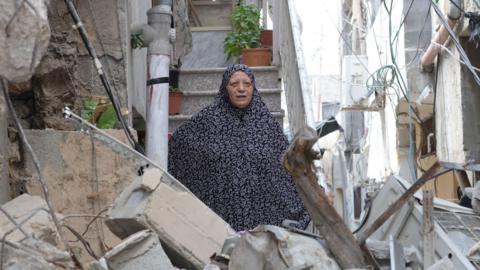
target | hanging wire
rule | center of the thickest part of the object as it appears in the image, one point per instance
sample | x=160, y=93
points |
x=103, y=76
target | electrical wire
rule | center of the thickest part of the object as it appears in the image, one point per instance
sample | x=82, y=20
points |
x=404, y=89
x=103, y=76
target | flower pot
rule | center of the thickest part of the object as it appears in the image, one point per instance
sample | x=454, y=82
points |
x=266, y=38
x=175, y=102
x=255, y=57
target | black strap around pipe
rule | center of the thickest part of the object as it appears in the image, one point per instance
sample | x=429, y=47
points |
x=158, y=81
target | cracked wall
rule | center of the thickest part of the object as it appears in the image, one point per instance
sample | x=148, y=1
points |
x=66, y=74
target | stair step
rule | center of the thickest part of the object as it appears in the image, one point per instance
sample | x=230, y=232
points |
x=194, y=101
x=176, y=120
x=207, y=79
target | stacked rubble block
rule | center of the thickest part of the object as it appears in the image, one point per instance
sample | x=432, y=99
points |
x=141, y=250
x=189, y=231
x=29, y=237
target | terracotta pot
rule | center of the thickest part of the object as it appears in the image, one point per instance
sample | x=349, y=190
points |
x=266, y=38
x=257, y=57
x=174, y=102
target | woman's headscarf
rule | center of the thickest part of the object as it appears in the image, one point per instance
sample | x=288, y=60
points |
x=230, y=158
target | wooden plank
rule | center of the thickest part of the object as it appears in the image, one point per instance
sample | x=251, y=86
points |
x=298, y=160
x=428, y=233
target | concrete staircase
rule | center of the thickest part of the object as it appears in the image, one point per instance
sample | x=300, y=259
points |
x=200, y=86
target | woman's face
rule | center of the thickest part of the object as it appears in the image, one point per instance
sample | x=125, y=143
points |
x=240, y=89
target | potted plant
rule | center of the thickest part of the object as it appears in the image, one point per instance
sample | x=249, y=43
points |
x=245, y=38
x=175, y=97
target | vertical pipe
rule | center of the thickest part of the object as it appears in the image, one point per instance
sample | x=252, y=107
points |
x=157, y=111
x=158, y=57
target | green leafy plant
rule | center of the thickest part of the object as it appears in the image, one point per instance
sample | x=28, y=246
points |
x=246, y=30
x=174, y=89
x=108, y=119
x=136, y=41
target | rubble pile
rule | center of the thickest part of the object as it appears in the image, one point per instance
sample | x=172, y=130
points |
x=29, y=238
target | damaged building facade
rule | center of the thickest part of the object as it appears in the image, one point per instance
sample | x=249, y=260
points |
x=76, y=196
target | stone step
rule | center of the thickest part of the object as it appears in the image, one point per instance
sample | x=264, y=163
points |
x=194, y=101
x=176, y=120
x=207, y=79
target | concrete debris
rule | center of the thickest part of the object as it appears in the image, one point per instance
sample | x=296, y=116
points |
x=443, y=264
x=141, y=250
x=24, y=37
x=101, y=264
x=474, y=195
x=271, y=247
x=189, y=231
x=31, y=211
x=381, y=251
x=32, y=254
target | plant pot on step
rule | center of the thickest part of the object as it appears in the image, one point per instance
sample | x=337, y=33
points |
x=255, y=57
x=175, y=99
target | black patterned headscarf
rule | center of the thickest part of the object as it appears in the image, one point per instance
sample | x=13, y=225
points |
x=230, y=159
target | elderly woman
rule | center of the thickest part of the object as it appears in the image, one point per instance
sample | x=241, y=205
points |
x=229, y=155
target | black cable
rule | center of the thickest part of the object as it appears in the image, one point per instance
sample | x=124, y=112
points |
x=103, y=76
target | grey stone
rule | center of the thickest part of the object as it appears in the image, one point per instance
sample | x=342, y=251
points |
x=271, y=247
x=38, y=225
x=25, y=38
x=141, y=250
x=190, y=232
x=443, y=264
x=32, y=254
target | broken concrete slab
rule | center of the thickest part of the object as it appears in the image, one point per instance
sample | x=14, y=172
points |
x=25, y=37
x=141, y=250
x=271, y=247
x=190, y=231
x=443, y=264
x=33, y=254
x=32, y=212
x=84, y=174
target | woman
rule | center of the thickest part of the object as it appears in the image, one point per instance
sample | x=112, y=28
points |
x=229, y=153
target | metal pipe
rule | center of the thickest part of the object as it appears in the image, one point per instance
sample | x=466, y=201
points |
x=433, y=49
x=441, y=36
x=158, y=55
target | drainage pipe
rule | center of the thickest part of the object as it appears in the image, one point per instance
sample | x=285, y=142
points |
x=156, y=36
x=441, y=36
